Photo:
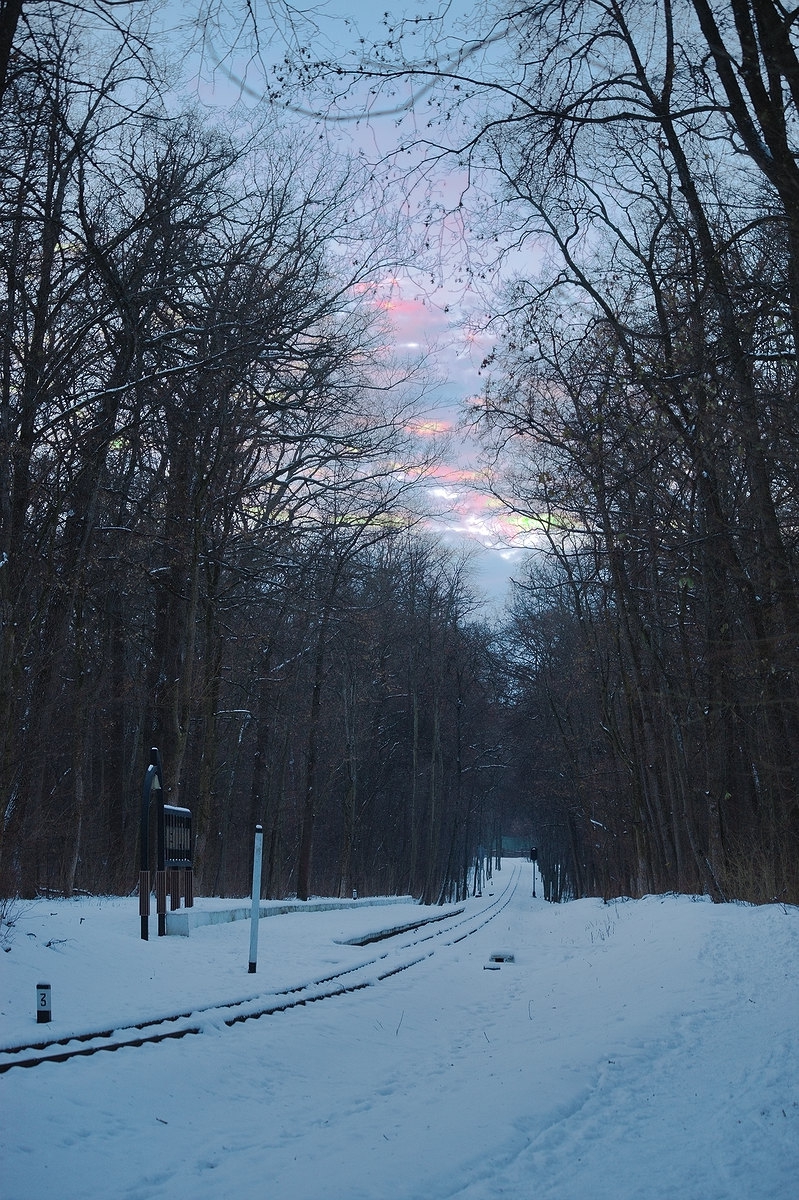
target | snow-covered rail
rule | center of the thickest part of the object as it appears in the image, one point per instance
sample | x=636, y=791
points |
x=401, y=948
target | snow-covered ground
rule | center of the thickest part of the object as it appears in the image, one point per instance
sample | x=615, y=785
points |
x=642, y=1049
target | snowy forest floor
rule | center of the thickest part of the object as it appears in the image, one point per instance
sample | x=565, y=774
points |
x=635, y=1050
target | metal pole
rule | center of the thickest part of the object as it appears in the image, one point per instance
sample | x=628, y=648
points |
x=152, y=782
x=160, y=873
x=256, y=896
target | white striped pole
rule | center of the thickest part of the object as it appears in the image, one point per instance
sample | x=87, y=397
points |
x=256, y=896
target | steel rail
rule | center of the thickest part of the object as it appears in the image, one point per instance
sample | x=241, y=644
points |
x=151, y=1031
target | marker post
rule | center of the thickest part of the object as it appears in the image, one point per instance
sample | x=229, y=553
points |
x=256, y=896
x=44, y=1010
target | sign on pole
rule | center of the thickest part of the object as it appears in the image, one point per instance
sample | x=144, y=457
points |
x=174, y=850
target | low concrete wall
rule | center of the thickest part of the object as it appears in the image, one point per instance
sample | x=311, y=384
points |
x=181, y=923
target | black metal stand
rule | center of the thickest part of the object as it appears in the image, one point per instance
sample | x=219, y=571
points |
x=153, y=782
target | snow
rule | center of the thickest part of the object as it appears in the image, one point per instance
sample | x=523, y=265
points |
x=640, y=1049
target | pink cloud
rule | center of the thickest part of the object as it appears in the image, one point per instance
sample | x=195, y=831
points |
x=429, y=427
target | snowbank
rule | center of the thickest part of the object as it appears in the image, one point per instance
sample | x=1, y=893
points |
x=634, y=1050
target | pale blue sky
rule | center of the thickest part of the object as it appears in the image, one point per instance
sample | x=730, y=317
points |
x=421, y=315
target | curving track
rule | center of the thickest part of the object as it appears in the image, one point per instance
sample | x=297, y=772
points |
x=401, y=949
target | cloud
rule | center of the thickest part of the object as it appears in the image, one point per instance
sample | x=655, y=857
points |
x=464, y=513
x=429, y=426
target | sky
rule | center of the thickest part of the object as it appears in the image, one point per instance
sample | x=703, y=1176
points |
x=635, y=1050
x=441, y=319
x=468, y=515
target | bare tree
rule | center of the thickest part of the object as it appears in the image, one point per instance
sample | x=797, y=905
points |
x=641, y=157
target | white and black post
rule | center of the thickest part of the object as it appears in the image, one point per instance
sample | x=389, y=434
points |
x=43, y=1005
x=256, y=896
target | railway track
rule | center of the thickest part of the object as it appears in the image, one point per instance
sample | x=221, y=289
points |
x=401, y=949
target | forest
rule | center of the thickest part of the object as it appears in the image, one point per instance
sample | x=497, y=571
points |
x=212, y=532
